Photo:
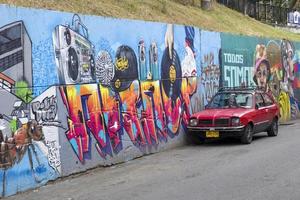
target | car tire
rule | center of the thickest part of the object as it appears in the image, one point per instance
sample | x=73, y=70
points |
x=194, y=139
x=248, y=135
x=273, y=130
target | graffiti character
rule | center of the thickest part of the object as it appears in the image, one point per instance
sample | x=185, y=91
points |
x=189, y=72
x=287, y=55
x=262, y=68
x=262, y=73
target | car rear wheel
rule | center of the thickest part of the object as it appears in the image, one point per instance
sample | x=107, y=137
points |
x=273, y=130
x=248, y=135
x=193, y=138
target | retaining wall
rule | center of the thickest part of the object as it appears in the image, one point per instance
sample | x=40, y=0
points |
x=80, y=91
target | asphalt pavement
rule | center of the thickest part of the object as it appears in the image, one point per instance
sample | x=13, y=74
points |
x=267, y=169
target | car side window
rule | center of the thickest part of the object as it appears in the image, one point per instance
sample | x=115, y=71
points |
x=268, y=100
x=259, y=100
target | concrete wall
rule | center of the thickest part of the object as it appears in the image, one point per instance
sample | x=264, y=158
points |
x=109, y=90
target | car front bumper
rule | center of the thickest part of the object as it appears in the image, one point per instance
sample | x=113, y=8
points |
x=223, y=131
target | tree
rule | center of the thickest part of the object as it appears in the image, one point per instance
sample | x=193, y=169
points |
x=284, y=3
x=293, y=3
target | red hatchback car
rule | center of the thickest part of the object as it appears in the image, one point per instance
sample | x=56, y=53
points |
x=235, y=112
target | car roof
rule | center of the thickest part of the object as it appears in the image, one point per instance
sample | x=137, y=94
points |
x=241, y=89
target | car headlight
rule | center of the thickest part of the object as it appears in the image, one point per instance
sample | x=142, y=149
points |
x=235, y=121
x=193, y=122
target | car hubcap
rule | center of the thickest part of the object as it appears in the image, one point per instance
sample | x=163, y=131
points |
x=249, y=135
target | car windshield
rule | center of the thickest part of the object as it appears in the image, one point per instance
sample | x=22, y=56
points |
x=231, y=100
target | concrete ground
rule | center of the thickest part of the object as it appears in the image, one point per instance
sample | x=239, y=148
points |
x=267, y=169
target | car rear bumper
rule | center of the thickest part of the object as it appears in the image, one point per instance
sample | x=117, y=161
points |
x=223, y=131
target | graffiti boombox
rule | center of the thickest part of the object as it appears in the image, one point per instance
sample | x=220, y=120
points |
x=74, y=53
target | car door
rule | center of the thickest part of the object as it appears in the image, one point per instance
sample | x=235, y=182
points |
x=261, y=119
x=270, y=107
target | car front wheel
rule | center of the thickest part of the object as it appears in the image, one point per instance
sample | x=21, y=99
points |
x=248, y=135
x=273, y=130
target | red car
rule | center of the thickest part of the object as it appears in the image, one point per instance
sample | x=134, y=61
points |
x=235, y=112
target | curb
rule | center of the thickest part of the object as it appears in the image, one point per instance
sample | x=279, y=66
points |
x=291, y=122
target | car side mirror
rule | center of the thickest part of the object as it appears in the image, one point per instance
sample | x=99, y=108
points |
x=256, y=106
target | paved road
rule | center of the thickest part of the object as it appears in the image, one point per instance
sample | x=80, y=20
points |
x=269, y=168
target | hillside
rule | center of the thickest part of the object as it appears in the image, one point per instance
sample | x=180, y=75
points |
x=219, y=19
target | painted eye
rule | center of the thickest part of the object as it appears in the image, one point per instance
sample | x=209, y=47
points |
x=259, y=74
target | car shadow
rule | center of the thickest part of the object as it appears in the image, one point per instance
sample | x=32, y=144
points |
x=230, y=141
x=260, y=136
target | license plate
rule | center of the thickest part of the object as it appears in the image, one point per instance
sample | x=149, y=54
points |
x=212, y=134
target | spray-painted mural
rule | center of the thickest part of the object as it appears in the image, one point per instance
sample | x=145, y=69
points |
x=148, y=110
x=270, y=64
x=24, y=154
x=209, y=73
x=15, y=60
x=86, y=91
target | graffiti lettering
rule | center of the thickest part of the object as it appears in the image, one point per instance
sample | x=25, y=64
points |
x=46, y=110
x=98, y=111
x=53, y=159
x=236, y=76
x=233, y=58
x=122, y=64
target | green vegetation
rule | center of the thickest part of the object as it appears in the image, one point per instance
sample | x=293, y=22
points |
x=286, y=3
x=220, y=19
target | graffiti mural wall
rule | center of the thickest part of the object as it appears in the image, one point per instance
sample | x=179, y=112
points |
x=26, y=151
x=139, y=100
x=85, y=91
x=209, y=76
x=101, y=92
x=270, y=64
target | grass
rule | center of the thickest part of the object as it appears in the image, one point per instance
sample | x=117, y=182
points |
x=219, y=19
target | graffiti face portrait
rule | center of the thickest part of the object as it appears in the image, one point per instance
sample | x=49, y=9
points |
x=287, y=54
x=262, y=73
